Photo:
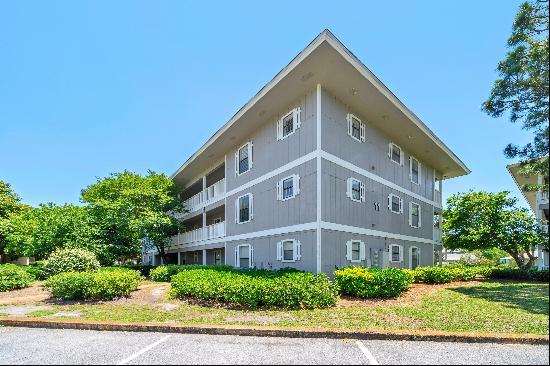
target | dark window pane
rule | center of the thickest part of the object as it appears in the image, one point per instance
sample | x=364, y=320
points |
x=288, y=188
x=356, y=129
x=243, y=159
x=356, y=190
x=395, y=204
x=288, y=125
x=244, y=211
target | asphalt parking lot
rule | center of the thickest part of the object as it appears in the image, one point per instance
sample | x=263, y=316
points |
x=48, y=346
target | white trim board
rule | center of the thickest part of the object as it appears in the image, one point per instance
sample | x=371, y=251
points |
x=345, y=164
x=383, y=234
x=319, y=193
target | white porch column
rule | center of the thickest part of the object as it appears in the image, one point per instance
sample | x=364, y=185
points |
x=204, y=257
x=179, y=257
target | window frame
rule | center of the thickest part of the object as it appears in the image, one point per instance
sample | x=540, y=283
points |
x=390, y=203
x=250, y=208
x=249, y=145
x=195, y=257
x=349, y=251
x=391, y=145
x=238, y=255
x=411, y=215
x=419, y=164
x=362, y=129
x=390, y=249
x=349, y=190
x=296, y=251
x=410, y=256
x=296, y=123
x=295, y=187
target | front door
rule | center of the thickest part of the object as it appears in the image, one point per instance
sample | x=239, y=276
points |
x=414, y=257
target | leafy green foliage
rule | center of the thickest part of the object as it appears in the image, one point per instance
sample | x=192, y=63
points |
x=36, y=270
x=518, y=274
x=284, y=288
x=9, y=205
x=165, y=272
x=101, y=285
x=372, y=282
x=129, y=207
x=481, y=220
x=522, y=87
x=70, y=260
x=13, y=277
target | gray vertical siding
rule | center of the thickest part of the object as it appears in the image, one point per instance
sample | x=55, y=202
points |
x=371, y=155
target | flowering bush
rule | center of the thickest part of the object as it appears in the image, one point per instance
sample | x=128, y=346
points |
x=70, y=260
x=372, y=282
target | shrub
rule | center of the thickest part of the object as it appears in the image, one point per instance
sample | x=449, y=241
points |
x=373, y=282
x=13, y=277
x=70, y=260
x=285, y=288
x=519, y=274
x=435, y=274
x=36, y=270
x=165, y=272
x=102, y=285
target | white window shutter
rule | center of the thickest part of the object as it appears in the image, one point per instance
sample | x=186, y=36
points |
x=389, y=150
x=350, y=127
x=348, y=189
x=280, y=251
x=237, y=264
x=400, y=253
x=401, y=157
x=279, y=129
x=251, y=205
x=400, y=205
x=250, y=154
x=297, y=250
x=297, y=117
x=279, y=190
x=410, y=168
x=348, y=250
x=251, y=254
x=296, y=181
x=362, y=192
x=362, y=132
x=237, y=211
x=410, y=214
x=389, y=201
x=419, y=172
x=419, y=216
x=237, y=163
x=362, y=251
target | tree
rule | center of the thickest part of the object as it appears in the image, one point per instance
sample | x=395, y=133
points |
x=37, y=232
x=132, y=208
x=522, y=87
x=10, y=203
x=482, y=220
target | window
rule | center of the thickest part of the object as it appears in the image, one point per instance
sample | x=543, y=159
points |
x=355, y=251
x=195, y=257
x=218, y=256
x=414, y=257
x=414, y=170
x=395, y=203
x=395, y=153
x=288, y=124
x=355, y=190
x=289, y=250
x=356, y=128
x=244, y=210
x=414, y=215
x=396, y=253
x=244, y=256
x=243, y=159
x=288, y=187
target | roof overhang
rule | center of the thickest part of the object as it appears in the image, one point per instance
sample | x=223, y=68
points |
x=328, y=62
x=521, y=180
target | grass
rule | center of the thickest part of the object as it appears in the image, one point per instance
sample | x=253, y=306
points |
x=497, y=306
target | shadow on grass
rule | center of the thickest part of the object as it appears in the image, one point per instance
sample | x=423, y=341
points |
x=529, y=297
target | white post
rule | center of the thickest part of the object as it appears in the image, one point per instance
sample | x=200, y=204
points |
x=179, y=257
x=204, y=257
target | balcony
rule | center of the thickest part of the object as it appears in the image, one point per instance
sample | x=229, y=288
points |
x=203, y=198
x=204, y=233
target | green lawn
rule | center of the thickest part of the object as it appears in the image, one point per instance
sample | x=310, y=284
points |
x=502, y=307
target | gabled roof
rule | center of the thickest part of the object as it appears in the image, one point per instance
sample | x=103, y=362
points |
x=328, y=62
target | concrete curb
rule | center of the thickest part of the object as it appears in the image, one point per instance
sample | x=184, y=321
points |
x=277, y=332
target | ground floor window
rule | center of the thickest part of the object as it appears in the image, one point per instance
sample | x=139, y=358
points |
x=414, y=260
x=289, y=250
x=244, y=255
x=218, y=256
x=355, y=251
x=396, y=253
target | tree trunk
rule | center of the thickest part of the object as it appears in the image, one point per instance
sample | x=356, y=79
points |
x=520, y=259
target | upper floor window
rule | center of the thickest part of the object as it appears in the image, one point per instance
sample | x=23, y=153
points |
x=289, y=250
x=395, y=153
x=414, y=215
x=355, y=251
x=244, y=210
x=244, y=256
x=414, y=170
x=356, y=128
x=395, y=203
x=355, y=190
x=288, y=124
x=288, y=187
x=396, y=253
x=243, y=159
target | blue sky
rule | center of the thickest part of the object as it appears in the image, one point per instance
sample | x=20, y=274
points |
x=93, y=87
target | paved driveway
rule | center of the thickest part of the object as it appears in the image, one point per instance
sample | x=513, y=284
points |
x=47, y=346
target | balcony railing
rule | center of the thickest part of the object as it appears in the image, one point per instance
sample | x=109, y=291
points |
x=203, y=197
x=544, y=195
x=204, y=233
x=438, y=235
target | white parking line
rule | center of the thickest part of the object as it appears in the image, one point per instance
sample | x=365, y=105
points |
x=142, y=351
x=366, y=352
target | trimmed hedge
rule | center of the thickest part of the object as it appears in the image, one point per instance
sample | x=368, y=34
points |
x=518, y=274
x=70, y=260
x=165, y=272
x=372, y=282
x=253, y=288
x=13, y=277
x=102, y=285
